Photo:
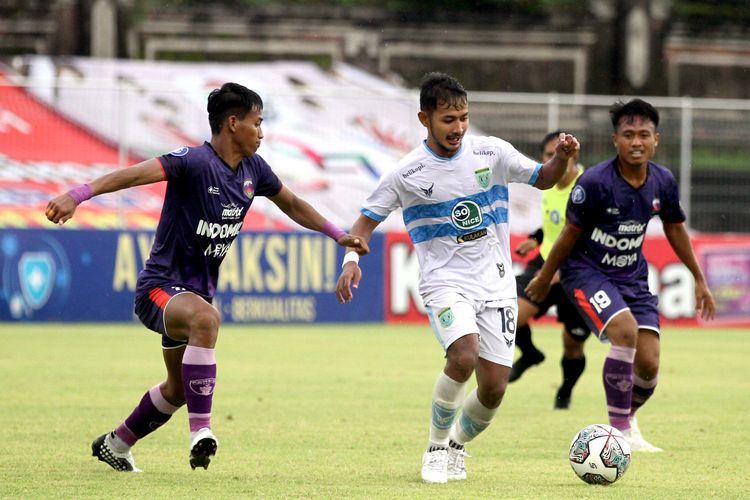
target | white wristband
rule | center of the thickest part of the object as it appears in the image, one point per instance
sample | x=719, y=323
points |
x=350, y=256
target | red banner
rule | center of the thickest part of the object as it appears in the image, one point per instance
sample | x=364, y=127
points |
x=725, y=260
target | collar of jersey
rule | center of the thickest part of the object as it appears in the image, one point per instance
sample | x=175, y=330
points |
x=443, y=158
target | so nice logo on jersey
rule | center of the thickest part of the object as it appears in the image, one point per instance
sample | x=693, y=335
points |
x=466, y=215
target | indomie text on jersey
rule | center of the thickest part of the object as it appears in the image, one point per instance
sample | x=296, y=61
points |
x=622, y=244
x=215, y=230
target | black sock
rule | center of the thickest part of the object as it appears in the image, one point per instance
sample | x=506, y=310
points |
x=436, y=448
x=572, y=370
x=523, y=340
x=455, y=445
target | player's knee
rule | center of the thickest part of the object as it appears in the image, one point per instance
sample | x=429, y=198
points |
x=623, y=330
x=463, y=359
x=204, y=324
x=491, y=397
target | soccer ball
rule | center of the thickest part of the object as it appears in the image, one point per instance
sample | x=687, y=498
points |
x=599, y=454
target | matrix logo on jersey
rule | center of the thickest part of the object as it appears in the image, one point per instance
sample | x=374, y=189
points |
x=231, y=211
x=466, y=215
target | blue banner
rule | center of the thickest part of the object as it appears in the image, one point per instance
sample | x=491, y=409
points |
x=91, y=275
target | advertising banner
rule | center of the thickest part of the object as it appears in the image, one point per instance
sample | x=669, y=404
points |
x=267, y=277
x=725, y=261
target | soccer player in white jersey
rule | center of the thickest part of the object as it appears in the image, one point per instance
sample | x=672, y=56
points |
x=453, y=189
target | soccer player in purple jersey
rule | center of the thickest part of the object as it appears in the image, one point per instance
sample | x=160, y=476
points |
x=602, y=265
x=209, y=190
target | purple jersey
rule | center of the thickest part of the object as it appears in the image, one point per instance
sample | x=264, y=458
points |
x=613, y=216
x=204, y=206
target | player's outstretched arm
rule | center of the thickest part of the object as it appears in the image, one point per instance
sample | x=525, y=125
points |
x=538, y=288
x=567, y=148
x=351, y=274
x=679, y=240
x=305, y=215
x=62, y=208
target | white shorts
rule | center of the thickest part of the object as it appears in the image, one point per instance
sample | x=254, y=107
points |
x=452, y=316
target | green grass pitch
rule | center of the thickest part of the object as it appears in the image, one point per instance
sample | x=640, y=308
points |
x=328, y=411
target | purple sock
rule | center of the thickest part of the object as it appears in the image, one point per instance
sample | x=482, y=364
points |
x=151, y=413
x=198, y=381
x=618, y=385
x=642, y=390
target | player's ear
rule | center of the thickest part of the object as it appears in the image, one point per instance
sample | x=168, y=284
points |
x=423, y=118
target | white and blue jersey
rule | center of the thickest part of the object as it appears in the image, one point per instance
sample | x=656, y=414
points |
x=456, y=213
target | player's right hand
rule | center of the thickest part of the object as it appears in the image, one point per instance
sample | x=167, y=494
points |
x=537, y=289
x=349, y=278
x=60, y=209
x=526, y=246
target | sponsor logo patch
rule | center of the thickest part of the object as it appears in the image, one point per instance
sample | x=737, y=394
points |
x=472, y=236
x=428, y=191
x=249, y=189
x=466, y=215
x=179, y=151
x=578, y=195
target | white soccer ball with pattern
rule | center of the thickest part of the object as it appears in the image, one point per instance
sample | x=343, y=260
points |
x=599, y=454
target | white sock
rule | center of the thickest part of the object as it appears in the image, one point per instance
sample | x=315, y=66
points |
x=474, y=418
x=116, y=444
x=446, y=399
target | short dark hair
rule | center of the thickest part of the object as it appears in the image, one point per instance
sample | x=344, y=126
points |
x=549, y=137
x=438, y=88
x=632, y=109
x=231, y=99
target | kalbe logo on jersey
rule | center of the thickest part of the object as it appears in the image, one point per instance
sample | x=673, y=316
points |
x=249, y=189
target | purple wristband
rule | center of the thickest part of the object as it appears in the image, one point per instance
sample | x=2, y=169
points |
x=330, y=230
x=80, y=193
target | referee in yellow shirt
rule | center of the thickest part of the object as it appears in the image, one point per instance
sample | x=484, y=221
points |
x=554, y=203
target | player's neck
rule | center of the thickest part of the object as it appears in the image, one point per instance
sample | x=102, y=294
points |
x=225, y=150
x=635, y=175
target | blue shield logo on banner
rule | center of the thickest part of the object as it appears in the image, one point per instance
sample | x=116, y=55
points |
x=36, y=274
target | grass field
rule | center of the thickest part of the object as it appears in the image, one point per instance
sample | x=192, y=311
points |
x=342, y=412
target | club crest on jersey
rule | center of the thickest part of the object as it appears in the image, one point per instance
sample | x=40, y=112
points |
x=179, y=151
x=655, y=206
x=446, y=317
x=249, y=189
x=578, y=195
x=483, y=176
x=466, y=215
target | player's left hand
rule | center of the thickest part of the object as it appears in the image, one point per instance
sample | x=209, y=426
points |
x=567, y=146
x=537, y=289
x=705, y=307
x=356, y=243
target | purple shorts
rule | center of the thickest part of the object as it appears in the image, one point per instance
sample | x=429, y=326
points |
x=150, y=306
x=600, y=299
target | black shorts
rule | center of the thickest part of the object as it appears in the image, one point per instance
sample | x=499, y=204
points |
x=567, y=314
x=150, y=306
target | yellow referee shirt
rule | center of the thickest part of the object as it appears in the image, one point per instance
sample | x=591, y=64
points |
x=554, y=203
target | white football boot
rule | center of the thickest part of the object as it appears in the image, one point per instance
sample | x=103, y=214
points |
x=435, y=466
x=635, y=438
